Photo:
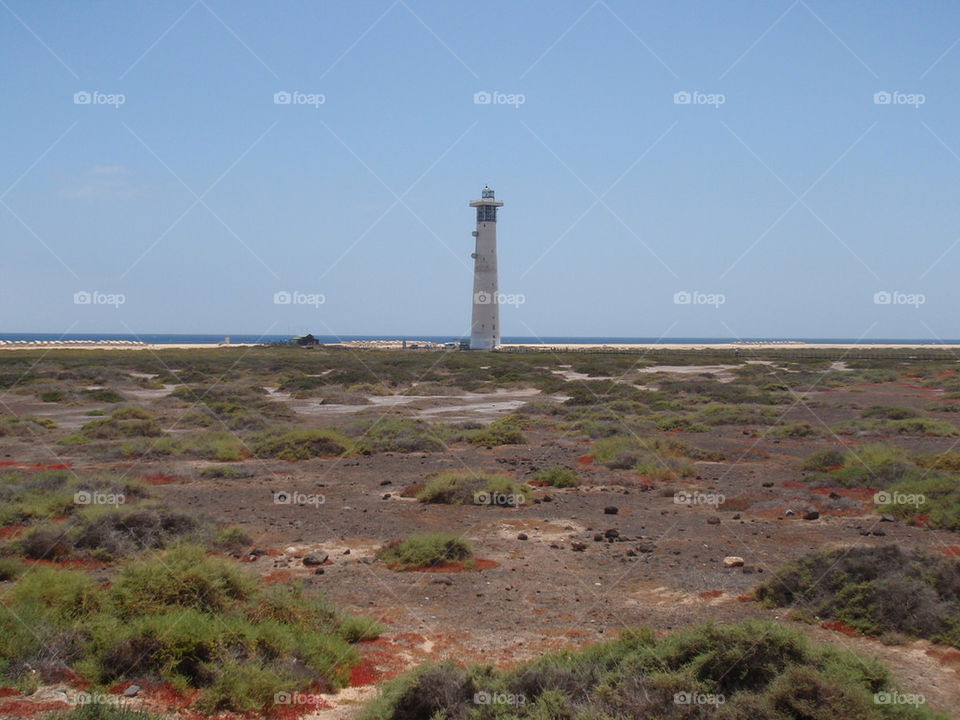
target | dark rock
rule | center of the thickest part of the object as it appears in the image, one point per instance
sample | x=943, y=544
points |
x=811, y=515
x=713, y=520
x=598, y=537
x=317, y=557
x=611, y=510
x=131, y=691
x=522, y=536
x=611, y=533
x=577, y=546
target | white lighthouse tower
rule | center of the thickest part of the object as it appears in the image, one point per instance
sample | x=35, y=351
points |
x=485, y=320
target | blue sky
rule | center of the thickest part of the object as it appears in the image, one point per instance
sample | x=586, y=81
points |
x=781, y=199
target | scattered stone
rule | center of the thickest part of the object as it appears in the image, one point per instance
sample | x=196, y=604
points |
x=443, y=580
x=611, y=533
x=317, y=557
x=577, y=546
x=811, y=515
x=713, y=520
x=319, y=571
x=886, y=518
x=347, y=551
x=768, y=484
x=736, y=516
x=645, y=547
x=611, y=510
x=789, y=513
x=598, y=537
x=733, y=561
x=547, y=498
x=386, y=482
x=131, y=691
x=386, y=496
x=522, y=536
x=834, y=495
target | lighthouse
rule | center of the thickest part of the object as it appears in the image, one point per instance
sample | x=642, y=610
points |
x=485, y=320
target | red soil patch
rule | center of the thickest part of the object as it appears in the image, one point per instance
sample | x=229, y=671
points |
x=585, y=459
x=168, y=696
x=411, y=490
x=364, y=674
x=946, y=657
x=838, y=626
x=8, y=692
x=279, y=576
x=159, y=479
x=711, y=594
x=452, y=567
x=744, y=598
x=11, y=531
x=793, y=484
x=951, y=551
x=8, y=463
x=27, y=709
x=855, y=493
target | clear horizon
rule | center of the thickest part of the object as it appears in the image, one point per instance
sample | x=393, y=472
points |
x=785, y=169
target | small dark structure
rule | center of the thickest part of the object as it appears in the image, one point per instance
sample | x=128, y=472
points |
x=307, y=340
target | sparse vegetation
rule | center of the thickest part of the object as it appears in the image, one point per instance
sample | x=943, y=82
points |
x=874, y=590
x=426, y=550
x=300, y=444
x=189, y=619
x=557, y=477
x=761, y=670
x=465, y=487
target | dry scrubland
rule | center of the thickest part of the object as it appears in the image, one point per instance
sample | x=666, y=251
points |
x=397, y=535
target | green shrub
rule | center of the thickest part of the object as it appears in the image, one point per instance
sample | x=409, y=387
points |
x=556, y=477
x=403, y=435
x=825, y=460
x=763, y=670
x=795, y=430
x=874, y=590
x=300, y=444
x=185, y=618
x=51, y=396
x=887, y=412
x=507, y=430
x=425, y=550
x=103, y=395
x=465, y=487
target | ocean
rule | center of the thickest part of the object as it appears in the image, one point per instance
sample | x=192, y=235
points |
x=176, y=338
